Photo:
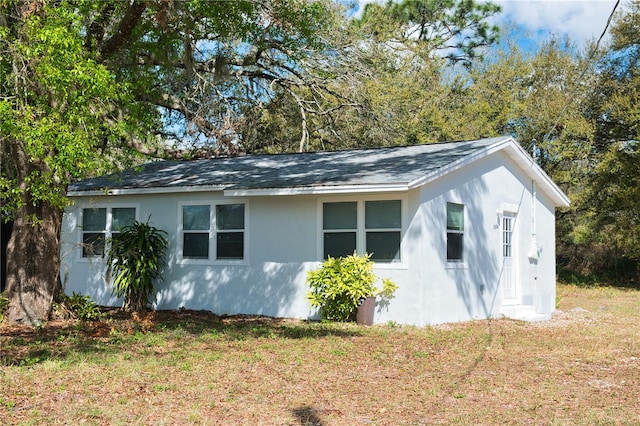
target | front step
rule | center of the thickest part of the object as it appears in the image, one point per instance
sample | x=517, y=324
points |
x=523, y=313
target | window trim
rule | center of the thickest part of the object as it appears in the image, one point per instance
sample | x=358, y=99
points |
x=212, y=232
x=361, y=231
x=108, y=231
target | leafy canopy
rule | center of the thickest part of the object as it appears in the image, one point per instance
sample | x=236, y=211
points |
x=55, y=99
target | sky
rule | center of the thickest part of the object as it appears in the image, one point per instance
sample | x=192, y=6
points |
x=581, y=20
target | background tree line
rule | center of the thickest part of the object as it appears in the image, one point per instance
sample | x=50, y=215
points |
x=88, y=87
x=421, y=84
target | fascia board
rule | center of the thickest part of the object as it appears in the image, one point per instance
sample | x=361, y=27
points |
x=143, y=191
x=316, y=190
x=535, y=172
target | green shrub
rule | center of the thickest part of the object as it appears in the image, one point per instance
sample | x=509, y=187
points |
x=4, y=305
x=82, y=307
x=340, y=284
x=136, y=256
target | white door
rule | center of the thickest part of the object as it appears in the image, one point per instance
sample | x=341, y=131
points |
x=508, y=276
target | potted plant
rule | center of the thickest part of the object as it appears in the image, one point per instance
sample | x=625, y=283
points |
x=343, y=286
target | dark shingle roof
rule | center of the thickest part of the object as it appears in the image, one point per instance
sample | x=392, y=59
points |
x=382, y=166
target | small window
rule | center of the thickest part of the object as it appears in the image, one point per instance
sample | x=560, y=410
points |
x=230, y=231
x=196, y=222
x=98, y=224
x=339, y=224
x=383, y=223
x=455, y=232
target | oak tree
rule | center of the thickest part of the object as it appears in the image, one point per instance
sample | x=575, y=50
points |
x=85, y=86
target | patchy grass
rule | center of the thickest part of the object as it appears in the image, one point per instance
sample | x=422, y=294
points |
x=582, y=367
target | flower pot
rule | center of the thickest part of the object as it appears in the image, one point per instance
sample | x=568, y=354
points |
x=366, y=310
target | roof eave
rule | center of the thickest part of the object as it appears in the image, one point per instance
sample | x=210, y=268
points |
x=544, y=183
x=460, y=163
x=245, y=192
x=515, y=151
x=143, y=191
x=315, y=190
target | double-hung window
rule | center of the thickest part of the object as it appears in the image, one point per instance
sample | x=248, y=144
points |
x=101, y=223
x=383, y=223
x=373, y=227
x=455, y=232
x=340, y=225
x=213, y=231
x=230, y=231
x=196, y=226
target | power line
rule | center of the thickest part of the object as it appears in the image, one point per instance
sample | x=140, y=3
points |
x=584, y=71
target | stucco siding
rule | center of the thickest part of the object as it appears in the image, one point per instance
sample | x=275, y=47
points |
x=283, y=240
x=472, y=289
x=281, y=246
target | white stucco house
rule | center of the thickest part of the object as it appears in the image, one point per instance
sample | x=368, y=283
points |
x=466, y=229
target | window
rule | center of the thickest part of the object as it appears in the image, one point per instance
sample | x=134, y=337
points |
x=94, y=231
x=198, y=232
x=98, y=224
x=382, y=222
x=373, y=227
x=339, y=222
x=196, y=222
x=230, y=231
x=507, y=236
x=455, y=232
x=121, y=217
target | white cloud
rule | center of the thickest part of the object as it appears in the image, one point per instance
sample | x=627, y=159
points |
x=581, y=20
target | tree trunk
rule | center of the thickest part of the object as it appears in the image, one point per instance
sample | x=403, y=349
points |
x=135, y=302
x=33, y=263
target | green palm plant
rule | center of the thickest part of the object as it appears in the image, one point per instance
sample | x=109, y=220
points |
x=136, y=258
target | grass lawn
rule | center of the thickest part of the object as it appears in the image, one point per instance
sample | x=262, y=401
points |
x=582, y=367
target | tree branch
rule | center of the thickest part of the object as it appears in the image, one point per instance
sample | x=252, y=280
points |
x=124, y=30
x=95, y=32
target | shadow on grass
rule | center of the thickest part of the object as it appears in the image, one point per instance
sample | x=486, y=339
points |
x=250, y=326
x=24, y=346
x=308, y=416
